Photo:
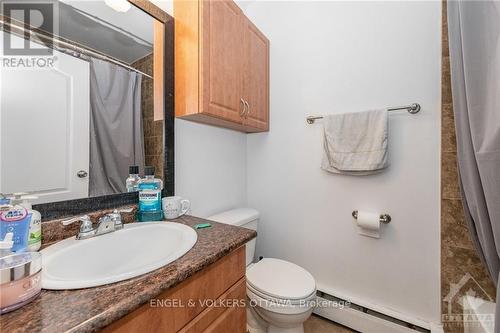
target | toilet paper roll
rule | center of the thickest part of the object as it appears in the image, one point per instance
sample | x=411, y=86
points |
x=368, y=224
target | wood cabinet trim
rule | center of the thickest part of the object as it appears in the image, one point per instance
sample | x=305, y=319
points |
x=158, y=69
x=209, y=315
x=151, y=9
x=187, y=57
x=215, y=99
x=260, y=119
x=210, y=283
x=233, y=320
x=215, y=31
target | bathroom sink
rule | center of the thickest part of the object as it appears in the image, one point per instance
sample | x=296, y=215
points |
x=137, y=249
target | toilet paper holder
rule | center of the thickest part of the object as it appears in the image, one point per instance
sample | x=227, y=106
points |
x=384, y=218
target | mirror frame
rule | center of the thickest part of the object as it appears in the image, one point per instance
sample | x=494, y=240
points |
x=59, y=209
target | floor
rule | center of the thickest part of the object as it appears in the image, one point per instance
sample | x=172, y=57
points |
x=317, y=324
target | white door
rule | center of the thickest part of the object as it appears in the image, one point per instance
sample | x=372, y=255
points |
x=44, y=129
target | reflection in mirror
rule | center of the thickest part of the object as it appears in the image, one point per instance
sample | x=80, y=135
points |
x=73, y=121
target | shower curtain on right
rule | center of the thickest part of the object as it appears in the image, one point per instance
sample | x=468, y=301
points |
x=474, y=37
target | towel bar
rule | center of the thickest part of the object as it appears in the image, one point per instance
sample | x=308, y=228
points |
x=412, y=108
x=384, y=218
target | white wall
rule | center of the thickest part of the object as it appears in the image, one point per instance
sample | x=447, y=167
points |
x=332, y=57
x=210, y=167
x=329, y=57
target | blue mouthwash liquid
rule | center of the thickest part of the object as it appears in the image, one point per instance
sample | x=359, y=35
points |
x=150, y=197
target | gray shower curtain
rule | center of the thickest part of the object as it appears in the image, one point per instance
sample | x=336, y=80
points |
x=474, y=36
x=116, y=133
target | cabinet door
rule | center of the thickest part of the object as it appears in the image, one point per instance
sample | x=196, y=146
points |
x=190, y=301
x=233, y=320
x=222, y=60
x=234, y=297
x=256, y=79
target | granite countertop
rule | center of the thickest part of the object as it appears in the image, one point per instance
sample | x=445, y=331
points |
x=88, y=310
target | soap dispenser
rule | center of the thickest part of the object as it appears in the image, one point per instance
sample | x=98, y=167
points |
x=23, y=199
x=15, y=219
x=35, y=231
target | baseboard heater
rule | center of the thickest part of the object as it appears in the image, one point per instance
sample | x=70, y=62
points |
x=360, y=318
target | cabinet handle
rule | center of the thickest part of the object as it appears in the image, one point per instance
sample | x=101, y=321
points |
x=243, y=110
x=248, y=109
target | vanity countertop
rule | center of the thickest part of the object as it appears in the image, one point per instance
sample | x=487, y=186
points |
x=88, y=310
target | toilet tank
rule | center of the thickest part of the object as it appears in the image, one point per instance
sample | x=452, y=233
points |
x=242, y=217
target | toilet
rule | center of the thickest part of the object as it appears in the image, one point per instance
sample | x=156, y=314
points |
x=281, y=294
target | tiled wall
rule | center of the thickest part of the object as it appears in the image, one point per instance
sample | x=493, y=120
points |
x=461, y=269
x=153, y=130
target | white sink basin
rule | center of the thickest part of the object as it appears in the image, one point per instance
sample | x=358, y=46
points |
x=136, y=249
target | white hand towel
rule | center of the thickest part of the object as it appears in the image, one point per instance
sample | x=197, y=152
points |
x=355, y=143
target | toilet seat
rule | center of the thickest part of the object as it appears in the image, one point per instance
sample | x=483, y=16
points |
x=280, y=281
x=282, y=301
x=285, y=307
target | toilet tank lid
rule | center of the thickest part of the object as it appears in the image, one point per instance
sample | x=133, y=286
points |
x=238, y=216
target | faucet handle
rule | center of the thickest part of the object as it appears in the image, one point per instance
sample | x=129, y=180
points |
x=116, y=216
x=86, y=225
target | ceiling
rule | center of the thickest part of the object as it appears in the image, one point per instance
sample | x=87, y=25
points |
x=125, y=36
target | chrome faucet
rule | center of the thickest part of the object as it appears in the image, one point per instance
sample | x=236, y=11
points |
x=108, y=223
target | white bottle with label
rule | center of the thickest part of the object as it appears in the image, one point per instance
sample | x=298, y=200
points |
x=35, y=231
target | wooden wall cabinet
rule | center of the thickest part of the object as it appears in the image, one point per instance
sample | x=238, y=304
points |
x=221, y=66
x=211, y=301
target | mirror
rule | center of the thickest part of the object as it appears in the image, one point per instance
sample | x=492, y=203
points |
x=81, y=97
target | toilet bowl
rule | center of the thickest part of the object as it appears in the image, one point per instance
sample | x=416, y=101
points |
x=280, y=294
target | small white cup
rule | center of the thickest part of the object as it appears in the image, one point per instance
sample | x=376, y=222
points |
x=173, y=207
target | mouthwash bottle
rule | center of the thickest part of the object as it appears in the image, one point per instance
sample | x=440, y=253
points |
x=133, y=179
x=150, y=197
